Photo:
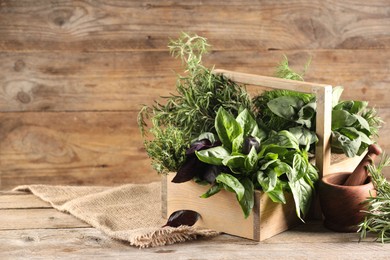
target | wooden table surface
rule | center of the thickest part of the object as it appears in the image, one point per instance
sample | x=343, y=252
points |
x=31, y=229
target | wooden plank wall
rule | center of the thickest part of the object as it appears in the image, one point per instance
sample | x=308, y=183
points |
x=73, y=74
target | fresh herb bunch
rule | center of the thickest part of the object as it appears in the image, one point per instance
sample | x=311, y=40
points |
x=250, y=159
x=377, y=218
x=354, y=124
x=193, y=109
x=167, y=149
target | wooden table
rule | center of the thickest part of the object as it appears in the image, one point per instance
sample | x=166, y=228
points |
x=30, y=229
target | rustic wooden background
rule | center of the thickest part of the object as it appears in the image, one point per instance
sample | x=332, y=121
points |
x=73, y=74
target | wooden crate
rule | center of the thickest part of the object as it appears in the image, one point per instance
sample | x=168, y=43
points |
x=222, y=212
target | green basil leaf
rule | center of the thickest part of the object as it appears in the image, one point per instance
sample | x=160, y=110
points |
x=212, y=191
x=302, y=194
x=266, y=163
x=247, y=122
x=300, y=166
x=342, y=118
x=233, y=183
x=311, y=176
x=282, y=168
x=283, y=139
x=248, y=200
x=227, y=128
x=234, y=161
x=251, y=160
x=267, y=180
x=237, y=144
x=214, y=155
x=277, y=194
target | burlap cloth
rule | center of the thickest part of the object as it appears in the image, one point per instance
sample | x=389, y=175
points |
x=129, y=212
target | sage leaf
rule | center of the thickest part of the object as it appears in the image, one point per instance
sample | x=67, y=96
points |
x=363, y=124
x=285, y=106
x=342, y=118
x=304, y=135
x=336, y=94
x=306, y=114
x=348, y=146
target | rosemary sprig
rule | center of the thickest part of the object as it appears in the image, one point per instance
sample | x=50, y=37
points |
x=192, y=110
x=373, y=120
x=377, y=220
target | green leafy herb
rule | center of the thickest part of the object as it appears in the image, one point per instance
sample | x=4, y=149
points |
x=275, y=163
x=167, y=149
x=354, y=124
x=377, y=220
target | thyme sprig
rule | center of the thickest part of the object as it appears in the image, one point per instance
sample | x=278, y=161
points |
x=377, y=220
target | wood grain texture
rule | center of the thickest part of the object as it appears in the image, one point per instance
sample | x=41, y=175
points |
x=21, y=201
x=61, y=60
x=310, y=241
x=47, y=233
x=79, y=148
x=137, y=25
x=11, y=219
x=123, y=81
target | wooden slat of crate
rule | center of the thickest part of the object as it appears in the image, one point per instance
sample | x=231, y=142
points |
x=222, y=212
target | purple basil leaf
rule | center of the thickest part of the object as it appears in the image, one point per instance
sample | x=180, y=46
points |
x=182, y=217
x=250, y=142
x=210, y=173
x=188, y=170
x=198, y=145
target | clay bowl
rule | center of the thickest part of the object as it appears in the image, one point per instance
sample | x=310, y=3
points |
x=342, y=205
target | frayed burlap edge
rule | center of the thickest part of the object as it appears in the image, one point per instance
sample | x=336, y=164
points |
x=167, y=235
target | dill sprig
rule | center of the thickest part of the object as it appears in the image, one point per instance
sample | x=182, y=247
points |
x=377, y=219
x=265, y=116
x=284, y=71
